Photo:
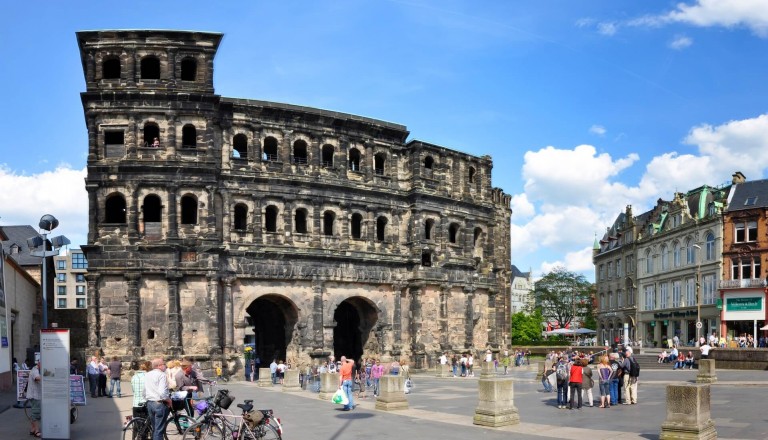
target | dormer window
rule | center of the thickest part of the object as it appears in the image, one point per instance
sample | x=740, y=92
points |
x=750, y=201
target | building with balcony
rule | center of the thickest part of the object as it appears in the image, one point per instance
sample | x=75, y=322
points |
x=745, y=246
x=521, y=291
x=218, y=222
x=70, y=287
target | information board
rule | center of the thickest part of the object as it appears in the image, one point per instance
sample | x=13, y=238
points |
x=54, y=359
x=22, y=377
x=76, y=390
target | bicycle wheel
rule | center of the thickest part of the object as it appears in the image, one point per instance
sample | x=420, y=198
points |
x=265, y=432
x=137, y=429
x=176, y=426
x=203, y=431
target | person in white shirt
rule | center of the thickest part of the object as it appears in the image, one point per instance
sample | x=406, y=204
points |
x=705, y=350
x=443, y=359
x=158, y=398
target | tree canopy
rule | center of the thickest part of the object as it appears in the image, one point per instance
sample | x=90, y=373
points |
x=563, y=297
x=525, y=328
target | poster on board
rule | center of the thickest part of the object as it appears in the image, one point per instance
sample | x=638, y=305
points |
x=76, y=389
x=54, y=358
x=22, y=377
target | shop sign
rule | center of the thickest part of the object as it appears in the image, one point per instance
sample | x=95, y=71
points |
x=744, y=304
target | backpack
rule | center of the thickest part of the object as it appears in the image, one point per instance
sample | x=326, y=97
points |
x=634, y=368
x=561, y=372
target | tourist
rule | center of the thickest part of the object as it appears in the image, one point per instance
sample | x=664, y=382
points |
x=561, y=374
x=377, y=370
x=604, y=373
x=463, y=362
x=470, y=365
x=158, y=397
x=368, y=367
x=92, y=370
x=632, y=371
x=663, y=357
x=273, y=370
x=705, y=351
x=454, y=365
x=673, y=354
x=680, y=363
x=115, y=369
x=616, y=373
x=406, y=369
x=587, y=383
x=35, y=396
x=72, y=366
x=575, y=382
x=186, y=379
x=281, y=367
x=361, y=380
x=156, y=143
x=103, y=371
x=137, y=386
x=689, y=359
x=172, y=369
x=505, y=361
x=253, y=369
x=345, y=381
x=394, y=368
x=545, y=378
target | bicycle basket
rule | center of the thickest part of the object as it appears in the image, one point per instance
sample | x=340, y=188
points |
x=223, y=400
x=253, y=418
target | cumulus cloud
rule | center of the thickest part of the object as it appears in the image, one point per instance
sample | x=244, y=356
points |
x=607, y=28
x=60, y=192
x=577, y=261
x=598, y=130
x=680, y=42
x=752, y=14
x=521, y=207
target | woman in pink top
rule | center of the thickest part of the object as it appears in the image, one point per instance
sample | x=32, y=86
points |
x=377, y=370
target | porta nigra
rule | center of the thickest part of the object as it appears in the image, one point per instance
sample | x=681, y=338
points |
x=219, y=222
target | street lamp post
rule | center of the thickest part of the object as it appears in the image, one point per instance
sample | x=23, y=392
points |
x=47, y=224
x=698, y=296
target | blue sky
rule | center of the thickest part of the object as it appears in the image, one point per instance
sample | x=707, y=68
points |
x=585, y=107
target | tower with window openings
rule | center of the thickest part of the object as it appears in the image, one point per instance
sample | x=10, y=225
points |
x=217, y=223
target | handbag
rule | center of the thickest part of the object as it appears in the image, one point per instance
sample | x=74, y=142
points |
x=340, y=398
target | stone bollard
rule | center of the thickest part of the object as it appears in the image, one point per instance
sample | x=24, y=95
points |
x=706, y=371
x=291, y=381
x=444, y=370
x=329, y=383
x=496, y=406
x=391, y=394
x=265, y=377
x=487, y=370
x=688, y=413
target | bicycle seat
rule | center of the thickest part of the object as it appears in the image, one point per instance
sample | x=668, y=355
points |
x=248, y=401
x=246, y=407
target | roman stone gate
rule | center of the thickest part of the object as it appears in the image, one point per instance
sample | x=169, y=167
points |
x=354, y=320
x=272, y=319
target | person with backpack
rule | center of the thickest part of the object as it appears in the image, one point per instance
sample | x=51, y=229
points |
x=632, y=372
x=561, y=374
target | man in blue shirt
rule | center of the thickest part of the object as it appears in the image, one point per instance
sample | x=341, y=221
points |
x=92, y=369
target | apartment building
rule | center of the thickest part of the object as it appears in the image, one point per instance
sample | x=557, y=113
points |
x=70, y=286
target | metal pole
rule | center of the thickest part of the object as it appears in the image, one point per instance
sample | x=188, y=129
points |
x=45, y=287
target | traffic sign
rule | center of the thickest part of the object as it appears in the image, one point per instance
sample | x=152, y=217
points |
x=699, y=324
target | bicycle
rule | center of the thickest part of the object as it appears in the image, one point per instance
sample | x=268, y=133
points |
x=250, y=425
x=140, y=428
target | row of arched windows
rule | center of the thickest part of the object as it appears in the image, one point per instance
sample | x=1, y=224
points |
x=149, y=68
x=676, y=255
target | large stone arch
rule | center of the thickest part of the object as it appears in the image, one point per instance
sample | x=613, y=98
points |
x=272, y=318
x=354, y=318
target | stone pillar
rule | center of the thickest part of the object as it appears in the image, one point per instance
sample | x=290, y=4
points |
x=229, y=326
x=397, y=319
x=174, y=314
x=93, y=212
x=486, y=370
x=329, y=383
x=688, y=413
x=173, y=226
x=391, y=394
x=214, y=333
x=415, y=318
x=469, y=314
x=94, y=318
x=492, y=327
x=265, y=377
x=445, y=293
x=706, y=371
x=291, y=381
x=317, y=314
x=134, y=310
x=496, y=406
x=444, y=370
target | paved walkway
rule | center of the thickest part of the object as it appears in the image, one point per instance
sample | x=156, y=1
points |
x=443, y=409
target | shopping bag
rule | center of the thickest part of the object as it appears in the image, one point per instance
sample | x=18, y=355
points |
x=340, y=398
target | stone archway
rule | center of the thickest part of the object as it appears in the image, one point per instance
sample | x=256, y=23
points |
x=354, y=317
x=273, y=318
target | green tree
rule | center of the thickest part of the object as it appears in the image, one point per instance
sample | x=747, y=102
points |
x=525, y=328
x=563, y=296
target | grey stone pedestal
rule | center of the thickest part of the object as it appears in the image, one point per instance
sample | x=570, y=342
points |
x=444, y=370
x=329, y=383
x=487, y=370
x=496, y=406
x=265, y=377
x=706, y=371
x=391, y=394
x=291, y=381
x=688, y=413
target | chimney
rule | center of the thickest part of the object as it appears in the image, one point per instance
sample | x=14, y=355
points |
x=738, y=178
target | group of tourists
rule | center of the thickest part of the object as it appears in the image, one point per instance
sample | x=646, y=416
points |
x=97, y=371
x=572, y=374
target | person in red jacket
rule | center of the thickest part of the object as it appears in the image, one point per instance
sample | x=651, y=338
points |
x=575, y=382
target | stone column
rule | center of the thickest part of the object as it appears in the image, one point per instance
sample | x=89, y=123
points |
x=706, y=371
x=317, y=314
x=445, y=293
x=132, y=216
x=94, y=152
x=688, y=413
x=492, y=328
x=496, y=406
x=134, y=310
x=229, y=327
x=171, y=67
x=93, y=212
x=415, y=318
x=173, y=226
x=469, y=314
x=214, y=330
x=175, y=347
x=391, y=393
x=329, y=383
x=291, y=381
x=130, y=68
x=94, y=318
x=265, y=377
x=397, y=331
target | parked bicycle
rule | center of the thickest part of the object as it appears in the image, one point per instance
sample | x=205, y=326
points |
x=250, y=425
x=140, y=428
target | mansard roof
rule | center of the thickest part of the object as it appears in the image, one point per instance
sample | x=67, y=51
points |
x=748, y=195
x=516, y=273
x=18, y=235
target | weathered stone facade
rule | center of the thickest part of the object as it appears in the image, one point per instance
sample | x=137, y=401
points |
x=304, y=231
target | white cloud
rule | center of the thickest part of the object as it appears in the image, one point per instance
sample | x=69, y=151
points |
x=521, y=207
x=752, y=14
x=60, y=192
x=680, y=42
x=598, y=130
x=607, y=28
x=576, y=261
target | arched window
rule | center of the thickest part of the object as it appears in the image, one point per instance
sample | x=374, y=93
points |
x=152, y=209
x=241, y=217
x=110, y=68
x=300, y=221
x=114, y=209
x=381, y=228
x=188, y=136
x=240, y=146
x=676, y=256
x=328, y=152
x=150, y=67
x=354, y=159
x=270, y=149
x=478, y=233
x=429, y=227
x=300, y=152
x=329, y=220
x=378, y=163
x=648, y=262
x=428, y=162
x=471, y=176
x=151, y=131
x=188, y=69
x=453, y=233
x=664, y=257
x=426, y=258
x=270, y=219
x=690, y=252
x=189, y=210
x=710, y=246
x=357, y=225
